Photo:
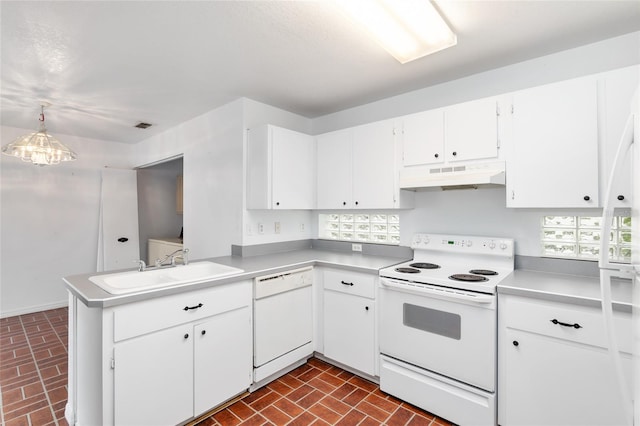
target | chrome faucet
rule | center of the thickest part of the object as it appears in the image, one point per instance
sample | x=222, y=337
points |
x=184, y=256
x=141, y=265
x=185, y=260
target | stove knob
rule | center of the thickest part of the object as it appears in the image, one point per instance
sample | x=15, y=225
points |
x=492, y=245
x=469, y=243
x=417, y=240
x=503, y=246
x=426, y=240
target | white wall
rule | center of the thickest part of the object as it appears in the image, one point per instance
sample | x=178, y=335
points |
x=49, y=221
x=213, y=185
x=479, y=212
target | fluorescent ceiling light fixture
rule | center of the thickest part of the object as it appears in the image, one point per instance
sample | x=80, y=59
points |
x=407, y=29
x=39, y=148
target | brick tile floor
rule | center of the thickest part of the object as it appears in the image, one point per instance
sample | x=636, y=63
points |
x=33, y=391
x=33, y=368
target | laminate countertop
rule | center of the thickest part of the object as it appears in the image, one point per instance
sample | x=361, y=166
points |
x=253, y=266
x=574, y=289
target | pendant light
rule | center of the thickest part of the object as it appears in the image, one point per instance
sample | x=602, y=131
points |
x=39, y=148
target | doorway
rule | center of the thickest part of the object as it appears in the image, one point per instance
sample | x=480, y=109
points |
x=160, y=207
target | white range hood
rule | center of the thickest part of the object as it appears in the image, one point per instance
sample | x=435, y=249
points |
x=454, y=176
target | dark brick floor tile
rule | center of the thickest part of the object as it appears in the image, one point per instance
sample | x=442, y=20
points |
x=325, y=413
x=280, y=387
x=343, y=391
x=255, y=420
x=337, y=406
x=363, y=384
x=372, y=411
x=275, y=416
x=265, y=401
x=310, y=399
x=242, y=410
x=351, y=419
x=288, y=407
x=400, y=417
x=300, y=393
x=226, y=417
x=304, y=419
x=355, y=397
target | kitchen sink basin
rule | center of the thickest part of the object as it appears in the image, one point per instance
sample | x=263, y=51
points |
x=127, y=282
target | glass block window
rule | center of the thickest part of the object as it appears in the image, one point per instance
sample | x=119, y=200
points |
x=360, y=227
x=578, y=237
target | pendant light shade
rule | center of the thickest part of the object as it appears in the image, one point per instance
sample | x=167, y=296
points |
x=39, y=148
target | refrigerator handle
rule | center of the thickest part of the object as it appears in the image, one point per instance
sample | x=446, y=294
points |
x=607, y=210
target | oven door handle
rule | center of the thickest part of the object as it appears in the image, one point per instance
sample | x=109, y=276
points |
x=450, y=294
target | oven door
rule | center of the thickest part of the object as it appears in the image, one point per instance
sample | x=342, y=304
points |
x=449, y=332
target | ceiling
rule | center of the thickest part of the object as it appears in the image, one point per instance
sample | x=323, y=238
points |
x=107, y=65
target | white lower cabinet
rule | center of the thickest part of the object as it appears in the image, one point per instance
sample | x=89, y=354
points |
x=160, y=361
x=552, y=373
x=153, y=378
x=349, y=320
x=221, y=356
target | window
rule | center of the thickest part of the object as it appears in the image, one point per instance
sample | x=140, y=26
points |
x=361, y=227
x=578, y=237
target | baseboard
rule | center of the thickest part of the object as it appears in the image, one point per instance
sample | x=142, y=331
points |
x=32, y=309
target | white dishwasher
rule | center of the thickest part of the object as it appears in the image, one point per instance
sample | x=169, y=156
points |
x=283, y=321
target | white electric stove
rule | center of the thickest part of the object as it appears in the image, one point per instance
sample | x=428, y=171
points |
x=475, y=264
x=438, y=325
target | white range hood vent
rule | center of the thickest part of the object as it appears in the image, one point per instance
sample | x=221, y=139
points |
x=455, y=176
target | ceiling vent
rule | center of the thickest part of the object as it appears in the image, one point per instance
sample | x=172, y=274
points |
x=142, y=125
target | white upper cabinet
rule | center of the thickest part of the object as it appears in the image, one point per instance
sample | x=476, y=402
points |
x=471, y=130
x=423, y=138
x=334, y=169
x=467, y=132
x=374, y=166
x=617, y=89
x=554, y=157
x=280, y=169
x=357, y=169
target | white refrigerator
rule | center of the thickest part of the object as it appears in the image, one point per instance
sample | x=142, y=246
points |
x=629, y=146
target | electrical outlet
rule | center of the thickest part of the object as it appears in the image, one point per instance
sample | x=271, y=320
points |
x=261, y=228
x=302, y=227
x=356, y=247
x=276, y=227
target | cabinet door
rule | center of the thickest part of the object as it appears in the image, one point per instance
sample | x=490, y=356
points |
x=423, y=138
x=554, y=162
x=472, y=130
x=153, y=378
x=619, y=87
x=374, y=171
x=349, y=323
x=555, y=382
x=222, y=358
x=334, y=170
x=293, y=170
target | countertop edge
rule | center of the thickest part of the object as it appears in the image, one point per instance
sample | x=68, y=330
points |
x=94, y=297
x=570, y=289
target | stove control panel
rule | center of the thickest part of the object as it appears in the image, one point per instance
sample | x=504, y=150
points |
x=463, y=244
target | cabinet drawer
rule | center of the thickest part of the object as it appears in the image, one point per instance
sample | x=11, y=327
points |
x=355, y=283
x=150, y=315
x=537, y=316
